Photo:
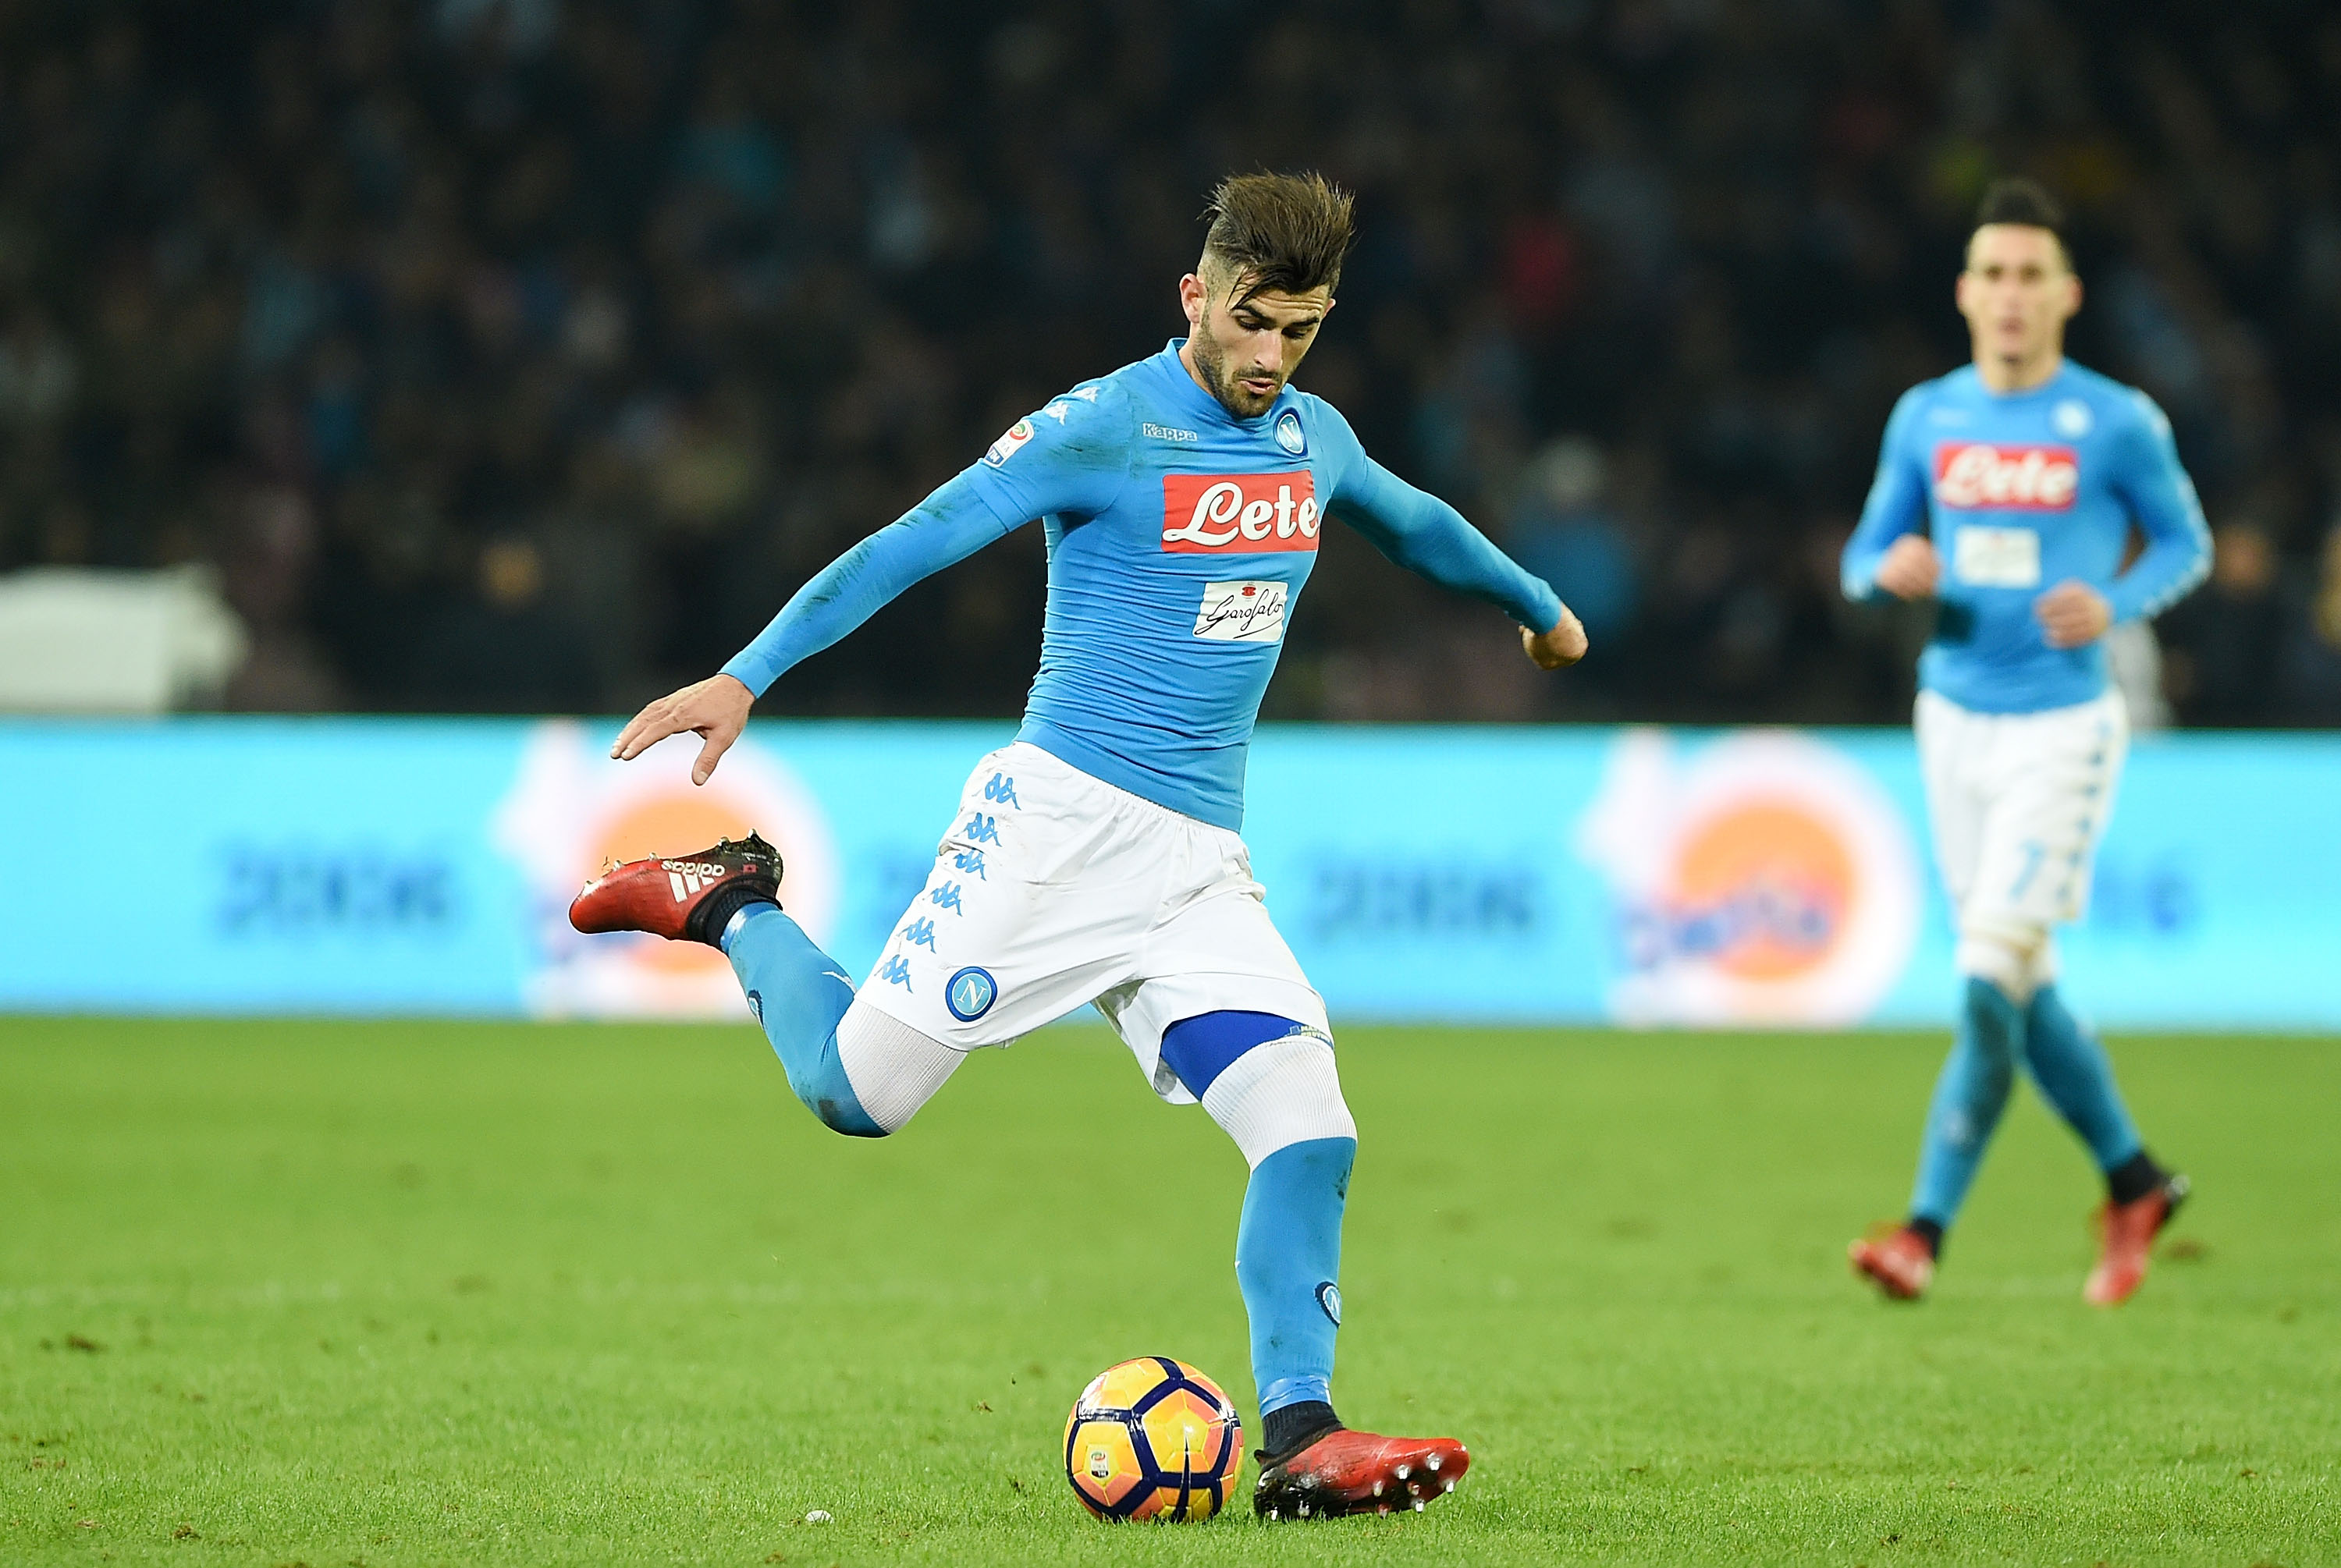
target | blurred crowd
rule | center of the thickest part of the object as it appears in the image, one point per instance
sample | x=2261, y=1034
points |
x=526, y=354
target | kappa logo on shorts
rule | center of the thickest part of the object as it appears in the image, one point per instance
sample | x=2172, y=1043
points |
x=982, y=830
x=896, y=972
x=919, y=933
x=1238, y=513
x=970, y=993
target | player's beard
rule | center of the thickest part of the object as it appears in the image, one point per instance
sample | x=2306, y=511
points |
x=1224, y=383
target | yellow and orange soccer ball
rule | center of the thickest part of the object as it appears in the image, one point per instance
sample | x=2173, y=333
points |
x=1152, y=1438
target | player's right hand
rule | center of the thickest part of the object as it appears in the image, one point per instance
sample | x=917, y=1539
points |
x=715, y=710
x=1910, y=569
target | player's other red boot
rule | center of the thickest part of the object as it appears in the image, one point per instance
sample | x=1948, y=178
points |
x=679, y=897
x=1898, y=1263
x=2125, y=1232
x=1346, y=1471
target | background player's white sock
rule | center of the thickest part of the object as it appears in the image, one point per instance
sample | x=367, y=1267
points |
x=894, y=1069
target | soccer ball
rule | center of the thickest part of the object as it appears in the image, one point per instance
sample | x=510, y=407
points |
x=1152, y=1438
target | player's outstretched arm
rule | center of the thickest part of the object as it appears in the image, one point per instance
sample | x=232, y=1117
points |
x=946, y=528
x=942, y=531
x=1432, y=539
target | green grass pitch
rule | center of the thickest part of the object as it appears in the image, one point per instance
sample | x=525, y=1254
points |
x=393, y=1293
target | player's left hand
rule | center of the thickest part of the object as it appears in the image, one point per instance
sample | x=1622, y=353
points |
x=1564, y=644
x=2073, y=615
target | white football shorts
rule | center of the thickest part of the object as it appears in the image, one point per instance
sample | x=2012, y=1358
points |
x=2018, y=802
x=1052, y=889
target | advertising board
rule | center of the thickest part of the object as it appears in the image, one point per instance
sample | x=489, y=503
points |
x=1531, y=875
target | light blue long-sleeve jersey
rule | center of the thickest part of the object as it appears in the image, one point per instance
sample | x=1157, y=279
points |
x=1179, y=538
x=2022, y=491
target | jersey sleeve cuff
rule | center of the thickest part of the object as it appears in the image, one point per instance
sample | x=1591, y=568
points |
x=751, y=672
x=1543, y=605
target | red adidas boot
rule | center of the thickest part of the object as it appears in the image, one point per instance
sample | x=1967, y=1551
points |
x=1898, y=1263
x=685, y=899
x=2126, y=1233
x=1346, y=1471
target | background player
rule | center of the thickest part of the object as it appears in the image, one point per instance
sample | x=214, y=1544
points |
x=1096, y=858
x=2007, y=490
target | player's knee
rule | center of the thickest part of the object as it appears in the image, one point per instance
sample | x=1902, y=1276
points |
x=881, y=1072
x=2013, y=955
x=829, y=1095
x=1281, y=1092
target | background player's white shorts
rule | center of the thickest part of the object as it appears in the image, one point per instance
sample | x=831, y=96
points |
x=1053, y=888
x=2019, y=802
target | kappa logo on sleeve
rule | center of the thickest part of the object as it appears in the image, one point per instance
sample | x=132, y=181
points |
x=1973, y=474
x=1011, y=441
x=1238, y=513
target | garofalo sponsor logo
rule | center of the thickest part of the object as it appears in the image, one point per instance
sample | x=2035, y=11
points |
x=1242, y=612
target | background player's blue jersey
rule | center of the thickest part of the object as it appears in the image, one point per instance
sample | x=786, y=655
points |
x=2022, y=491
x=1178, y=539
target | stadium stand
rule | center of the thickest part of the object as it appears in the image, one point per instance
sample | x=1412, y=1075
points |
x=522, y=354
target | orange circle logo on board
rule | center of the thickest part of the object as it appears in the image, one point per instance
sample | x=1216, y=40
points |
x=1763, y=888
x=571, y=810
x=1760, y=878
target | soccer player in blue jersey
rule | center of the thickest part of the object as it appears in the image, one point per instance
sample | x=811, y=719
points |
x=1096, y=858
x=2007, y=492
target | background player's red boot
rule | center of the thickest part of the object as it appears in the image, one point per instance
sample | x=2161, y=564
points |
x=2126, y=1233
x=678, y=899
x=1898, y=1263
x=1346, y=1471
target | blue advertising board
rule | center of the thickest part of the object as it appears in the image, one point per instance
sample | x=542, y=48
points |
x=1569, y=875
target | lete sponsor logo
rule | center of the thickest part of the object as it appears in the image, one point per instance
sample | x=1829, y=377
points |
x=1238, y=513
x=2025, y=478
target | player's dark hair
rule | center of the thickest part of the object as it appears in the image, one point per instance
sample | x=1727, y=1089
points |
x=1282, y=232
x=2025, y=202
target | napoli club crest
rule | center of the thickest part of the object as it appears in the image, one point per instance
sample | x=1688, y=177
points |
x=1288, y=434
x=970, y=993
